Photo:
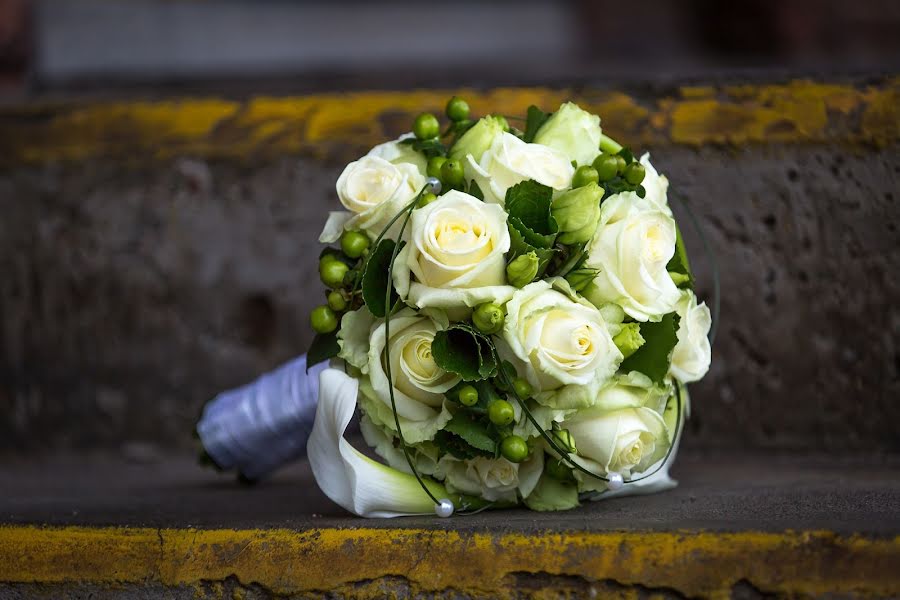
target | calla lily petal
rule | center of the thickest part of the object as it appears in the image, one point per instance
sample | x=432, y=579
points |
x=359, y=484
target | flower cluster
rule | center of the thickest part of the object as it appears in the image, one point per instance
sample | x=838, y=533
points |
x=513, y=313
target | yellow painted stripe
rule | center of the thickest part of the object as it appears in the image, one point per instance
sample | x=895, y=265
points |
x=289, y=562
x=341, y=125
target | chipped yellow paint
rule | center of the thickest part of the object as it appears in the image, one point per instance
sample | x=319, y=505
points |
x=331, y=126
x=291, y=562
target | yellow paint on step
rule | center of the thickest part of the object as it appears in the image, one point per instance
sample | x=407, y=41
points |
x=480, y=564
x=340, y=126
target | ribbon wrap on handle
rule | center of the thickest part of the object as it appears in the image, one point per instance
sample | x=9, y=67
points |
x=265, y=424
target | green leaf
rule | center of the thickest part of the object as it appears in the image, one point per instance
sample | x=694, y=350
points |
x=430, y=148
x=529, y=202
x=655, y=355
x=474, y=432
x=463, y=350
x=627, y=155
x=375, y=279
x=679, y=263
x=533, y=121
x=475, y=190
x=323, y=347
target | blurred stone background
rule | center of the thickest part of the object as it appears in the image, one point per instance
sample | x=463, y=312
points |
x=143, y=272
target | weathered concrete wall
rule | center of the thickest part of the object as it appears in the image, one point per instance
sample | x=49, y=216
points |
x=133, y=291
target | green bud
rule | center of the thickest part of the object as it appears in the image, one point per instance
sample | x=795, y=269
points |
x=426, y=126
x=323, y=319
x=573, y=131
x=489, y=317
x=354, y=243
x=503, y=122
x=477, y=139
x=577, y=212
x=426, y=199
x=332, y=273
x=336, y=301
x=501, y=412
x=581, y=278
x=522, y=388
x=452, y=173
x=434, y=166
x=522, y=270
x=468, y=395
x=457, y=109
x=564, y=439
x=514, y=448
x=629, y=339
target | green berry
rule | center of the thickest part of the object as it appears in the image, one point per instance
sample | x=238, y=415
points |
x=426, y=199
x=620, y=164
x=323, y=319
x=426, y=126
x=514, y=448
x=327, y=258
x=634, y=173
x=501, y=412
x=488, y=317
x=354, y=243
x=522, y=388
x=336, y=301
x=452, y=173
x=457, y=109
x=606, y=166
x=332, y=273
x=468, y=395
x=558, y=469
x=584, y=175
x=434, y=166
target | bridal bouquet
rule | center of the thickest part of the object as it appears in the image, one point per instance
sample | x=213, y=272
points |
x=512, y=312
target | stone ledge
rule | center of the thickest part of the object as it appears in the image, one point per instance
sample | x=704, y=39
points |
x=777, y=526
x=340, y=126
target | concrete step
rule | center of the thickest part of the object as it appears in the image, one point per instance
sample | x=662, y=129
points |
x=737, y=526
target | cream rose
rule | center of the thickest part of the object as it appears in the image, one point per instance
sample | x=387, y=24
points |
x=692, y=354
x=373, y=190
x=656, y=186
x=455, y=254
x=625, y=440
x=560, y=339
x=510, y=161
x=573, y=131
x=419, y=384
x=631, y=248
x=492, y=478
x=399, y=153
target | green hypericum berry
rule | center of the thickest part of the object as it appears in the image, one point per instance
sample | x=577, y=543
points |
x=452, y=173
x=584, y=175
x=488, y=317
x=426, y=199
x=522, y=388
x=336, y=301
x=468, y=395
x=323, y=319
x=326, y=258
x=332, y=273
x=607, y=167
x=434, y=166
x=514, y=448
x=558, y=469
x=634, y=173
x=501, y=412
x=426, y=126
x=457, y=109
x=354, y=243
x=620, y=164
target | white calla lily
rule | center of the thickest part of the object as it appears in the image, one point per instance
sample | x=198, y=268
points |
x=359, y=484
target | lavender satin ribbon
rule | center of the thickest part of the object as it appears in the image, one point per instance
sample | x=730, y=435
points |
x=265, y=424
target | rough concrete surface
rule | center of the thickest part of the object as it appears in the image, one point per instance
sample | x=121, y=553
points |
x=131, y=295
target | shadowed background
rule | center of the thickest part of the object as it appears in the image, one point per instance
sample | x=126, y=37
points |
x=166, y=166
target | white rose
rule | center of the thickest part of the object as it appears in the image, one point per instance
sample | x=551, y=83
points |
x=623, y=441
x=373, y=190
x=560, y=339
x=398, y=153
x=510, y=161
x=656, y=186
x=419, y=384
x=492, y=478
x=692, y=354
x=455, y=254
x=573, y=131
x=631, y=248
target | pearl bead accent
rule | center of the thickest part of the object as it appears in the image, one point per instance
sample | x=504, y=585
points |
x=444, y=508
x=434, y=184
x=615, y=481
